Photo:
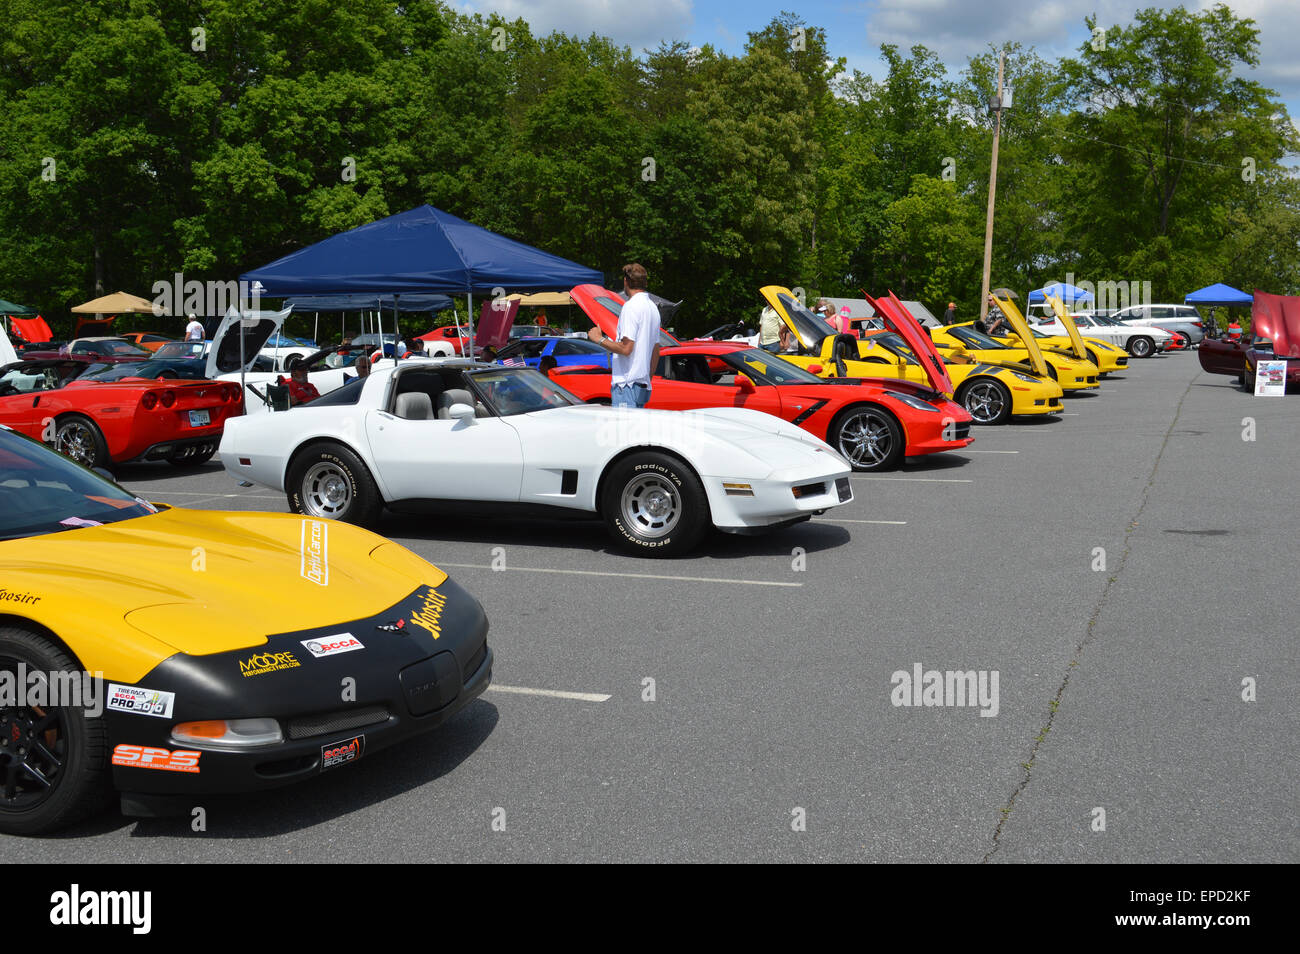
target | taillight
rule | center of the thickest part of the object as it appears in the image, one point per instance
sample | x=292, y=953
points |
x=149, y=401
x=168, y=398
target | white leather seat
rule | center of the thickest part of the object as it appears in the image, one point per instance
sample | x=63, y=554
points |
x=415, y=406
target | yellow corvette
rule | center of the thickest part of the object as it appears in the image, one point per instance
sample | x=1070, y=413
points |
x=966, y=340
x=991, y=393
x=161, y=652
x=1106, y=357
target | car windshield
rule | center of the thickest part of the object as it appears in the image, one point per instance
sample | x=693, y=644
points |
x=766, y=368
x=891, y=341
x=119, y=348
x=976, y=339
x=181, y=349
x=510, y=391
x=41, y=491
x=116, y=372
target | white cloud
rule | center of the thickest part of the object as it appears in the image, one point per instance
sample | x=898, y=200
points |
x=636, y=23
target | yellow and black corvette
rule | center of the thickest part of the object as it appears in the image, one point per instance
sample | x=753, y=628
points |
x=966, y=340
x=991, y=393
x=157, y=652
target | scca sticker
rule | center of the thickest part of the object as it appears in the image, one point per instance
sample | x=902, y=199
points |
x=341, y=753
x=144, y=756
x=268, y=662
x=332, y=645
x=150, y=702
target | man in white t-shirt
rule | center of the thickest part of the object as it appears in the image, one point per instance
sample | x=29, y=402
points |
x=194, y=330
x=634, y=349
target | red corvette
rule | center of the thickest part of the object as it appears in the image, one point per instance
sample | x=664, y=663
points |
x=455, y=336
x=112, y=422
x=873, y=422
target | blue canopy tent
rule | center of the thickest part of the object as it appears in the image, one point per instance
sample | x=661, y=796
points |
x=420, y=251
x=366, y=304
x=1220, y=295
x=1059, y=290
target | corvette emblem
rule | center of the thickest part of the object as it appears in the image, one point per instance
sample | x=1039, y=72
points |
x=394, y=627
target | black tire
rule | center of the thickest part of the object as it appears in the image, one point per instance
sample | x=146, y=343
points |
x=78, y=437
x=329, y=482
x=987, y=400
x=868, y=436
x=1141, y=347
x=1248, y=382
x=653, y=504
x=194, y=460
x=53, y=760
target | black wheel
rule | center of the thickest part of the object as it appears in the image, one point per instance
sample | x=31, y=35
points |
x=868, y=437
x=79, y=438
x=987, y=400
x=330, y=481
x=655, y=505
x=53, y=759
x=200, y=456
x=1141, y=347
x=1248, y=381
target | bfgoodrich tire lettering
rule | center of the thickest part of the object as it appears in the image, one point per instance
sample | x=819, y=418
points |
x=53, y=759
x=654, y=504
x=330, y=481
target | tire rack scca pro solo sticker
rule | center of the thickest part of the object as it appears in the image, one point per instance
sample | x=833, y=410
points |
x=341, y=753
x=136, y=701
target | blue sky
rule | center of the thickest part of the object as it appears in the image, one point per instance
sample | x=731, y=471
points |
x=955, y=29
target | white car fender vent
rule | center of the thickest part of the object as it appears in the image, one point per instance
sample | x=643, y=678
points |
x=568, y=482
x=738, y=490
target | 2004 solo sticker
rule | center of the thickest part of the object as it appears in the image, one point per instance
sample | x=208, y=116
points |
x=136, y=701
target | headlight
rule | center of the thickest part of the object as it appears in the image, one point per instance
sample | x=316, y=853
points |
x=912, y=401
x=229, y=735
x=1026, y=377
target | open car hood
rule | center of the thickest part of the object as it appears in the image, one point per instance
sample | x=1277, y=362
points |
x=258, y=327
x=901, y=321
x=1021, y=328
x=603, y=307
x=1071, y=329
x=809, y=330
x=1277, y=317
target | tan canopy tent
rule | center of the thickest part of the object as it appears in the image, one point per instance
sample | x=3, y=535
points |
x=118, y=303
x=541, y=299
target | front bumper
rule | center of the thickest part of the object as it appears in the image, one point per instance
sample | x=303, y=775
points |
x=771, y=503
x=423, y=660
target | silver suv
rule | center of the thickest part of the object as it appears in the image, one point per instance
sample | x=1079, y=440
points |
x=1184, y=319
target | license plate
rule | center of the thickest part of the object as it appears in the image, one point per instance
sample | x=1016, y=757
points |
x=199, y=419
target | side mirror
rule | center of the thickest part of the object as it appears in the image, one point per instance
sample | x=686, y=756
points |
x=461, y=412
x=745, y=383
x=814, y=369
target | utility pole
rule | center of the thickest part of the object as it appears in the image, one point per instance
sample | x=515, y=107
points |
x=993, y=188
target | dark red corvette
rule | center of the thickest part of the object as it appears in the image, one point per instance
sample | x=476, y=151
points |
x=873, y=422
x=100, y=424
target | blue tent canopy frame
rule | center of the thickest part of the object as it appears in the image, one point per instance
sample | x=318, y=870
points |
x=404, y=303
x=1060, y=290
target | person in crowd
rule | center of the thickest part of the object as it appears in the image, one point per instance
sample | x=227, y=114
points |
x=547, y=364
x=194, y=330
x=950, y=316
x=769, y=330
x=362, y=366
x=635, y=345
x=994, y=322
x=301, y=391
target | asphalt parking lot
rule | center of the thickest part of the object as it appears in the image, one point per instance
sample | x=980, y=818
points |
x=771, y=734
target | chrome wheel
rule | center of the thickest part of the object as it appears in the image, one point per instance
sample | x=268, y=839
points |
x=77, y=440
x=1140, y=347
x=326, y=490
x=865, y=439
x=985, y=401
x=651, y=505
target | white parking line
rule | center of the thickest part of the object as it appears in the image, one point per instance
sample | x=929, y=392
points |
x=892, y=523
x=969, y=451
x=922, y=480
x=552, y=693
x=635, y=576
x=195, y=493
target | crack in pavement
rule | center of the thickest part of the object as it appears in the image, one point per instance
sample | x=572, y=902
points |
x=1054, y=705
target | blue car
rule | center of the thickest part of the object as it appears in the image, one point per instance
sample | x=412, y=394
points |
x=566, y=351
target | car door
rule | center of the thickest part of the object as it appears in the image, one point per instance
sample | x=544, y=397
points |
x=697, y=380
x=433, y=459
x=1221, y=356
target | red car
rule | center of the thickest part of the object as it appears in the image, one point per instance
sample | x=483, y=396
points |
x=873, y=422
x=99, y=424
x=453, y=335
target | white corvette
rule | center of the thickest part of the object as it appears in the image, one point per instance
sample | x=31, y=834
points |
x=1141, y=341
x=451, y=433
